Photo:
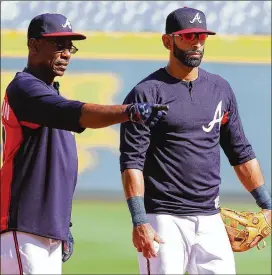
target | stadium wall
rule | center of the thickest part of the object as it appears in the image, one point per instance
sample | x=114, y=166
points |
x=107, y=67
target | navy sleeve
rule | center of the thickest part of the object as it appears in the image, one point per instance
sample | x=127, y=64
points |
x=32, y=101
x=134, y=138
x=232, y=137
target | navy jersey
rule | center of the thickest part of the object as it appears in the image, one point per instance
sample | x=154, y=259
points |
x=39, y=171
x=180, y=156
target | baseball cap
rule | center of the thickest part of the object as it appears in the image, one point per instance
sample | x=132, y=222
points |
x=186, y=20
x=52, y=25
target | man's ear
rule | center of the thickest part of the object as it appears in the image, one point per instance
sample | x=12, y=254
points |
x=166, y=41
x=33, y=45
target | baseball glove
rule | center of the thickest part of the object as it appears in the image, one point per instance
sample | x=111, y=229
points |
x=244, y=227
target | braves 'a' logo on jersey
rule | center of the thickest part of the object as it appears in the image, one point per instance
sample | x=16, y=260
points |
x=217, y=118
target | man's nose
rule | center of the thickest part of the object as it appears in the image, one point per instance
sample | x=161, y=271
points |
x=196, y=43
x=66, y=54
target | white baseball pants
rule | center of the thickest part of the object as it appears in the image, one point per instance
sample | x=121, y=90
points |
x=23, y=253
x=193, y=244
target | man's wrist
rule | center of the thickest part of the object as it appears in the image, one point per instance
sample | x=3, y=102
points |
x=262, y=197
x=133, y=113
x=128, y=111
x=137, y=210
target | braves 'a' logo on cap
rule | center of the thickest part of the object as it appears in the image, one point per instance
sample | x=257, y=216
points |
x=67, y=24
x=197, y=17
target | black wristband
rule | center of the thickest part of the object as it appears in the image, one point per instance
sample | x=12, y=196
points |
x=262, y=197
x=137, y=210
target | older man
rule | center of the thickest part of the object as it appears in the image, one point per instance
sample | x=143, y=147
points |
x=39, y=172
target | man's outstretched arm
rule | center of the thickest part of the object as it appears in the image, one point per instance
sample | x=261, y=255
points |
x=35, y=103
x=98, y=116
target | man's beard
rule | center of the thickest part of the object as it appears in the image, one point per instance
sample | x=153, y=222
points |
x=185, y=57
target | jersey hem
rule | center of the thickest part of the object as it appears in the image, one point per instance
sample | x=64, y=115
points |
x=34, y=233
x=188, y=213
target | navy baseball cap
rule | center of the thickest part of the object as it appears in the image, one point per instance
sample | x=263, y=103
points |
x=52, y=25
x=186, y=20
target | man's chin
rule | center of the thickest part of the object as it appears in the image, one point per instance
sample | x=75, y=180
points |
x=59, y=73
x=194, y=62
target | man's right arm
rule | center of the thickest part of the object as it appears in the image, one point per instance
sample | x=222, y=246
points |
x=99, y=116
x=143, y=234
x=33, y=102
x=134, y=144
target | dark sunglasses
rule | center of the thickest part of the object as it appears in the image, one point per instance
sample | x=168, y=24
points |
x=62, y=47
x=191, y=36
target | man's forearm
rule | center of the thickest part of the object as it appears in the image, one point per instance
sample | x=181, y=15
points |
x=251, y=176
x=133, y=184
x=99, y=116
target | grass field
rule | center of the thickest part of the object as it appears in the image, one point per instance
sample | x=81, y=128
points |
x=102, y=232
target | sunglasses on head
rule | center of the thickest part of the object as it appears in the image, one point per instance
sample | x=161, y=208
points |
x=192, y=36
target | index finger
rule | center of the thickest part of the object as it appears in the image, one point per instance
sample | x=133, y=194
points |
x=255, y=241
x=147, y=253
x=151, y=249
x=161, y=107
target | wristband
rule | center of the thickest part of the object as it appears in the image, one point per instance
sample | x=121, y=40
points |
x=262, y=197
x=137, y=210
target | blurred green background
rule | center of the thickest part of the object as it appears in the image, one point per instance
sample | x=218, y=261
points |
x=104, y=70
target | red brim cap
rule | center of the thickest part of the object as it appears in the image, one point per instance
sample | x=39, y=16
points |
x=71, y=35
x=195, y=30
